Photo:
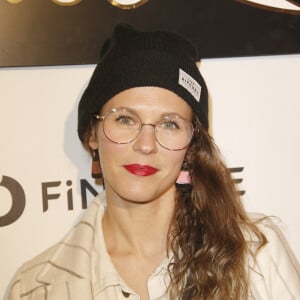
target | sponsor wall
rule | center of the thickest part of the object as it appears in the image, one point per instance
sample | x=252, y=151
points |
x=255, y=113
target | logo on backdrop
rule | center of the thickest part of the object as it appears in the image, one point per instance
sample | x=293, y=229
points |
x=48, y=195
x=18, y=200
x=236, y=172
x=18, y=197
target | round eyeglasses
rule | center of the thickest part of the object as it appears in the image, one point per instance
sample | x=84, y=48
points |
x=123, y=126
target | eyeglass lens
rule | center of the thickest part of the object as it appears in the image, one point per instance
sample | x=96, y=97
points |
x=123, y=126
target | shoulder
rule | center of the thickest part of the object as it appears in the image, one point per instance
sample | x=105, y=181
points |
x=277, y=244
x=28, y=272
x=274, y=269
x=68, y=256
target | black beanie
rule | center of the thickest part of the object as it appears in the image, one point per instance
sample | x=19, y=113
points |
x=135, y=59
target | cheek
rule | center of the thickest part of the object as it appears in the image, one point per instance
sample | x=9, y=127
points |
x=112, y=155
x=106, y=148
x=174, y=161
x=104, y=144
x=108, y=151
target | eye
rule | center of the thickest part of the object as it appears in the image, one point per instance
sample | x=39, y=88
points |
x=169, y=124
x=125, y=120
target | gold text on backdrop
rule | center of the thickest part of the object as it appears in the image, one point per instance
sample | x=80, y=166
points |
x=123, y=4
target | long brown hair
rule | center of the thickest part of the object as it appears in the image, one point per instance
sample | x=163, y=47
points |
x=205, y=237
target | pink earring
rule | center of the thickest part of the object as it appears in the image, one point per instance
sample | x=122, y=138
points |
x=184, y=175
x=96, y=168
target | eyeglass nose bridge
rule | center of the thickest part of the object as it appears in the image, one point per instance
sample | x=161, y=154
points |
x=154, y=128
x=147, y=124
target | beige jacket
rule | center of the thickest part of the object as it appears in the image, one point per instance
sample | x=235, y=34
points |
x=65, y=270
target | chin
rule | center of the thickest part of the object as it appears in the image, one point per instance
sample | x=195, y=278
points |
x=137, y=194
x=141, y=190
x=141, y=193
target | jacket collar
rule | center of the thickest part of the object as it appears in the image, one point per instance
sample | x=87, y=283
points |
x=71, y=258
x=69, y=263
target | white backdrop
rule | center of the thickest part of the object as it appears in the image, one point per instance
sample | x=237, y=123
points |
x=255, y=111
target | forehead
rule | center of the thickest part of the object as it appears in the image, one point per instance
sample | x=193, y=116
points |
x=150, y=101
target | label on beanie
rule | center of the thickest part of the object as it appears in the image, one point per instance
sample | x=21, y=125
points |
x=190, y=84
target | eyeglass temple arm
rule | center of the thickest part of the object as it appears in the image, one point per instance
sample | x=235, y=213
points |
x=98, y=117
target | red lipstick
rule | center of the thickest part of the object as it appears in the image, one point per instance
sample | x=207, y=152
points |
x=140, y=170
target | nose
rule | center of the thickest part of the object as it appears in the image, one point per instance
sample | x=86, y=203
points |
x=146, y=141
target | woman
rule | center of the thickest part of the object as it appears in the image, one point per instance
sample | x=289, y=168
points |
x=170, y=224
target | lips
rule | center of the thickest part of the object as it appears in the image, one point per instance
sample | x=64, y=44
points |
x=141, y=170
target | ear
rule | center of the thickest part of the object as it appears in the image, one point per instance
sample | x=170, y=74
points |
x=93, y=141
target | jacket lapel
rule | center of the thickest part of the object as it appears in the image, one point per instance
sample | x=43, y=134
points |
x=65, y=270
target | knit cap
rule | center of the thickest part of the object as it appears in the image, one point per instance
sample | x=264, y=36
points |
x=137, y=58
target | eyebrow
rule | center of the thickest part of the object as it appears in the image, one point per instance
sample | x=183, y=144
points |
x=172, y=114
x=163, y=115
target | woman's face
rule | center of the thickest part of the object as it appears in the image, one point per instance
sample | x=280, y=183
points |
x=142, y=170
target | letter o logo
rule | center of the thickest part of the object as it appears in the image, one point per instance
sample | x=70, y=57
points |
x=17, y=198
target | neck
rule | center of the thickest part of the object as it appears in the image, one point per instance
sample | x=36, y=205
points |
x=138, y=228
